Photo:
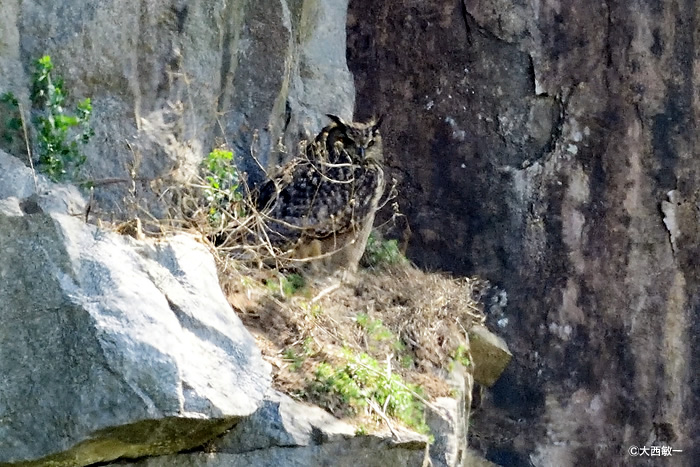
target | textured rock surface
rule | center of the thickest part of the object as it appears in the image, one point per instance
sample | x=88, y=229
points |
x=16, y=180
x=169, y=78
x=280, y=421
x=448, y=419
x=489, y=354
x=550, y=147
x=288, y=433
x=111, y=347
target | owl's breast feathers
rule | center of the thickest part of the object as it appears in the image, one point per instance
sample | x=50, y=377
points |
x=317, y=199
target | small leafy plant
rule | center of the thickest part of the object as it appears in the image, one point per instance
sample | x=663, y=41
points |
x=382, y=253
x=376, y=331
x=222, y=184
x=286, y=285
x=360, y=380
x=59, y=132
x=461, y=355
x=297, y=358
x=292, y=283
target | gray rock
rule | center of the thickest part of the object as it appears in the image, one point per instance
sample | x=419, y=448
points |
x=281, y=421
x=288, y=433
x=111, y=347
x=33, y=192
x=16, y=179
x=448, y=419
x=320, y=60
x=10, y=207
x=362, y=451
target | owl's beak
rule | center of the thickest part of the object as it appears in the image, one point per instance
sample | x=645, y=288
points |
x=362, y=153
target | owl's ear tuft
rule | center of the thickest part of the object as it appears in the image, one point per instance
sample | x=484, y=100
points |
x=339, y=121
x=378, y=123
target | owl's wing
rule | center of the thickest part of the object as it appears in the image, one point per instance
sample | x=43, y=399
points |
x=335, y=202
x=318, y=200
x=287, y=198
x=267, y=193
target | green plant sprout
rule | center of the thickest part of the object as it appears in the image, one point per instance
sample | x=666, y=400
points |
x=361, y=379
x=286, y=286
x=222, y=187
x=59, y=132
x=382, y=253
x=11, y=130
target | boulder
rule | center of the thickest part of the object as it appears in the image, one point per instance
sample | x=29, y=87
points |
x=448, y=419
x=281, y=421
x=111, y=347
x=490, y=355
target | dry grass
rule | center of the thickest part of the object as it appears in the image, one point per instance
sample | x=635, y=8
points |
x=410, y=321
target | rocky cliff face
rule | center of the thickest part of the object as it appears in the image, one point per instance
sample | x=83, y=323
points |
x=547, y=146
x=171, y=79
x=550, y=147
x=115, y=347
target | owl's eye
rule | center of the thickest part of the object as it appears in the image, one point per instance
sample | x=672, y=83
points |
x=370, y=144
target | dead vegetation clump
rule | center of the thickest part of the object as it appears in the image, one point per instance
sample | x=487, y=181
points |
x=412, y=323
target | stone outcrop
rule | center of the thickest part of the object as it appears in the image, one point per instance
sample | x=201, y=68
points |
x=110, y=347
x=550, y=148
x=288, y=433
x=489, y=353
x=117, y=348
x=448, y=420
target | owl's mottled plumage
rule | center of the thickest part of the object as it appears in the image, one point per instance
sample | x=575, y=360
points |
x=327, y=197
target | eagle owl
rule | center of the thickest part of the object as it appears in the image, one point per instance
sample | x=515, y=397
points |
x=322, y=203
